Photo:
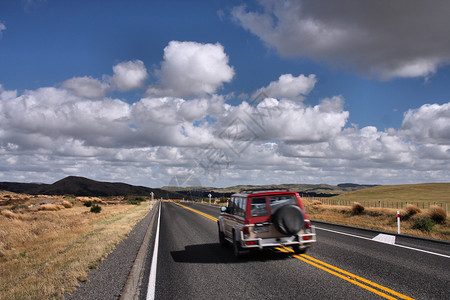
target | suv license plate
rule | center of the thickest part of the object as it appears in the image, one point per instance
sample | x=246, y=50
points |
x=261, y=229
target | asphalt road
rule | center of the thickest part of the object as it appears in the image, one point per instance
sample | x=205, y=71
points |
x=343, y=264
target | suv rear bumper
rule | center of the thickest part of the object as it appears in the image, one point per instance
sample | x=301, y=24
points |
x=304, y=240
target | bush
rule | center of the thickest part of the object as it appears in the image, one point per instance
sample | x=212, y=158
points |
x=437, y=214
x=87, y=203
x=412, y=210
x=19, y=206
x=136, y=200
x=96, y=209
x=357, y=208
x=423, y=224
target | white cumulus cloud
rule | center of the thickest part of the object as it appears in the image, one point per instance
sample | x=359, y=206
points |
x=428, y=124
x=129, y=75
x=2, y=27
x=289, y=87
x=192, y=69
x=87, y=87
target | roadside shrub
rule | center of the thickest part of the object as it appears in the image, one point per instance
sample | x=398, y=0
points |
x=437, y=214
x=96, y=209
x=67, y=204
x=136, y=200
x=87, y=203
x=357, y=208
x=423, y=224
x=19, y=206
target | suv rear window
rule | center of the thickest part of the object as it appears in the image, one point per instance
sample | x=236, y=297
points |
x=258, y=207
x=278, y=201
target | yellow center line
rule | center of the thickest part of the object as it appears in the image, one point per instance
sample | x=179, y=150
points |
x=350, y=277
x=199, y=212
x=328, y=268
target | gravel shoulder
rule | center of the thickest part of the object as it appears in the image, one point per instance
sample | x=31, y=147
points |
x=108, y=280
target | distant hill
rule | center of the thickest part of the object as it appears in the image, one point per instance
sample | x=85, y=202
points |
x=80, y=186
x=19, y=187
x=306, y=190
x=424, y=192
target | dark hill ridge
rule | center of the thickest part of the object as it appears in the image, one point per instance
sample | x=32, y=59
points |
x=80, y=186
x=305, y=190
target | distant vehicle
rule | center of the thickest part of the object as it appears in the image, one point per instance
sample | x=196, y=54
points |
x=256, y=219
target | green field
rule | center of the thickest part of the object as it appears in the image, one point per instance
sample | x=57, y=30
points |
x=411, y=193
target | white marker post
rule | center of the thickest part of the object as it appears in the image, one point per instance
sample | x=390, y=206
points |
x=398, y=221
x=152, y=195
x=209, y=195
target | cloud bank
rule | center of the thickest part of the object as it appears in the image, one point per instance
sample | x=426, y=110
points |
x=384, y=39
x=181, y=125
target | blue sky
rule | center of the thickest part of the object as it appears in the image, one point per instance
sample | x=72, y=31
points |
x=142, y=91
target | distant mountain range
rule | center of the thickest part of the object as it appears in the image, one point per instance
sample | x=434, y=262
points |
x=305, y=190
x=80, y=186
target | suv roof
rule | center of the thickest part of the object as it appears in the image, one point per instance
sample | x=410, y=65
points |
x=262, y=191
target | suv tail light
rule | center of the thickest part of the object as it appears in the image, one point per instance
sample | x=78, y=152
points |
x=307, y=224
x=246, y=229
x=307, y=230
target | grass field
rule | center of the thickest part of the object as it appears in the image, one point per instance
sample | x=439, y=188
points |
x=424, y=192
x=45, y=253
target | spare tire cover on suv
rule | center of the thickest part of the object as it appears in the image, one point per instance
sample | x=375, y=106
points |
x=289, y=219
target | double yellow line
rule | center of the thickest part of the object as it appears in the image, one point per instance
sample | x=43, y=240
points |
x=199, y=212
x=352, y=278
x=347, y=276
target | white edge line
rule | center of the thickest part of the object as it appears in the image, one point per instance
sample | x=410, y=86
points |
x=397, y=245
x=152, y=279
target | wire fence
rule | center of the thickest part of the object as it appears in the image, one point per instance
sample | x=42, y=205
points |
x=381, y=204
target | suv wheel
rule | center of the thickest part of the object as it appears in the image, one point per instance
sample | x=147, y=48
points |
x=223, y=242
x=236, y=247
x=298, y=250
x=289, y=219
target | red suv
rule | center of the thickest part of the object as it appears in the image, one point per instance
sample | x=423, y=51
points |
x=269, y=218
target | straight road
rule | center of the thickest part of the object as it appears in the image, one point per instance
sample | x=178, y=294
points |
x=192, y=265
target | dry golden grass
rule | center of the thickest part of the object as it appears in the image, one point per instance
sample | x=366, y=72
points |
x=67, y=204
x=423, y=192
x=49, y=207
x=411, y=210
x=45, y=253
x=384, y=219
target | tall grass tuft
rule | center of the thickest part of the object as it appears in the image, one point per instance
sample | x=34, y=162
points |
x=357, y=208
x=437, y=214
x=411, y=210
x=67, y=204
x=49, y=207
